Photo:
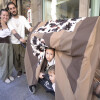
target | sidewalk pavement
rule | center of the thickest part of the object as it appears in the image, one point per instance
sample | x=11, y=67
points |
x=18, y=90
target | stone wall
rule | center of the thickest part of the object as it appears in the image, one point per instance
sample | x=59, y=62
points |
x=36, y=6
x=3, y=3
x=24, y=7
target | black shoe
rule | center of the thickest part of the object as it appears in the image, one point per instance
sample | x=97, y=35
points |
x=97, y=95
x=32, y=89
x=19, y=73
x=96, y=89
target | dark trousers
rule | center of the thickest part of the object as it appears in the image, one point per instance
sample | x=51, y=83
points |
x=19, y=53
x=46, y=83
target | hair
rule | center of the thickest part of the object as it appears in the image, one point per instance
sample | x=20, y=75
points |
x=51, y=49
x=3, y=10
x=1, y=13
x=52, y=69
x=10, y=4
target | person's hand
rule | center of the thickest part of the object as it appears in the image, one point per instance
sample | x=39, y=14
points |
x=30, y=30
x=41, y=75
x=22, y=40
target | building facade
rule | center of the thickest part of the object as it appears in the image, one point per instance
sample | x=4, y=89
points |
x=3, y=3
x=44, y=10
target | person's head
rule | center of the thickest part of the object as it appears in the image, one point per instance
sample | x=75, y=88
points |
x=51, y=73
x=50, y=53
x=4, y=15
x=28, y=7
x=12, y=8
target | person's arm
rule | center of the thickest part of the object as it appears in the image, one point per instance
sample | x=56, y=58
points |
x=41, y=75
x=30, y=30
x=27, y=25
x=18, y=36
x=13, y=31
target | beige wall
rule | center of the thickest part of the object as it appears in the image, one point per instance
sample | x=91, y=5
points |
x=83, y=8
x=13, y=1
x=0, y=4
x=19, y=6
x=3, y=3
x=36, y=6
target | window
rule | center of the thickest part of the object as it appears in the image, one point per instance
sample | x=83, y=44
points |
x=94, y=8
x=60, y=9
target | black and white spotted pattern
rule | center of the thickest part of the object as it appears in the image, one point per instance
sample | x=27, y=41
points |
x=58, y=25
x=38, y=45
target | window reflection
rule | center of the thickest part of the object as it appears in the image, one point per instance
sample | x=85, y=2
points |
x=61, y=9
x=94, y=8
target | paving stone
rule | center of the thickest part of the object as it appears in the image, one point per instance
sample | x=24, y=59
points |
x=18, y=90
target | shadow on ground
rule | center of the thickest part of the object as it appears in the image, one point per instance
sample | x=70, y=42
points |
x=18, y=90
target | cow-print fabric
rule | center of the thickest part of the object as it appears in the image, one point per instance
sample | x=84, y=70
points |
x=58, y=25
x=38, y=45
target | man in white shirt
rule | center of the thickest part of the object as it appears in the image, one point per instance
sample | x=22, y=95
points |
x=17, y=25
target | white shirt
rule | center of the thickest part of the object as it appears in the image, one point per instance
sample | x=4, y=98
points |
x=19, y=25
x=52, y=62
x=53, y=86
x=4, y=33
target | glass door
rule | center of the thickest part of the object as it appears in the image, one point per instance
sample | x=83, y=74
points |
x=94, y=9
